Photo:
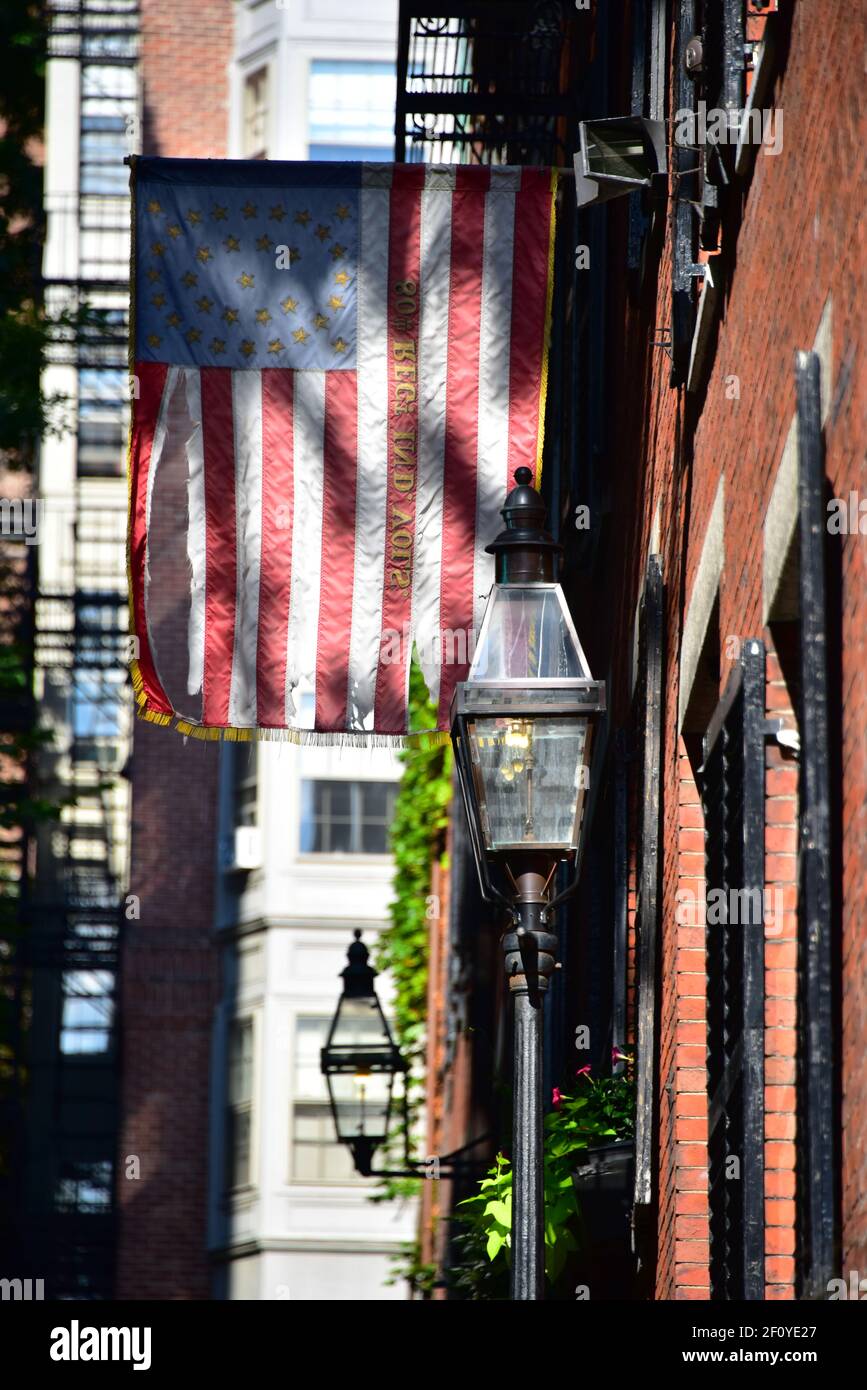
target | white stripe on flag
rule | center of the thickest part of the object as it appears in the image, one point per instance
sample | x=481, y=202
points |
x=372, y=490
x=492, y=475
x=159, y=442
x=247, y=420
x=309, y=444
x=196, y=530
x=436, y=238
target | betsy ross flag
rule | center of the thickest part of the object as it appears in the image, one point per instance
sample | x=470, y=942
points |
x=338, y=368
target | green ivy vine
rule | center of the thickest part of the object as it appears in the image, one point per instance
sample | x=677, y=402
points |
x=417, y=841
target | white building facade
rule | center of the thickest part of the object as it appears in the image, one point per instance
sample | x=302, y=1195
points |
x=303, y=830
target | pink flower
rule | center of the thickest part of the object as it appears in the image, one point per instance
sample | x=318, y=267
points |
x=556, y=1097
x=583, y=1071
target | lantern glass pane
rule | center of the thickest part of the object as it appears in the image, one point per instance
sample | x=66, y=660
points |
x=530, y=779
x=360, y=1026
x=361, y=1101
x=527, y=634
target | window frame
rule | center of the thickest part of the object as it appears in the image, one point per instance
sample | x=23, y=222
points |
x=355, y=820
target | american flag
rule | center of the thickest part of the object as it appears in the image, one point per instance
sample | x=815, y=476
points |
x=340, y=366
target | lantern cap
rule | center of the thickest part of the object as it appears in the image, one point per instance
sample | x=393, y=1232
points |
x=525, y=551
x=357, y=976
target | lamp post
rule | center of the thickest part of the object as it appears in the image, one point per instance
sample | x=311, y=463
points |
x=522, y=726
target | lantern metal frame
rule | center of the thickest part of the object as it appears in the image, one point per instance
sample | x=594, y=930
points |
x=342, y=1060
x=526, y=701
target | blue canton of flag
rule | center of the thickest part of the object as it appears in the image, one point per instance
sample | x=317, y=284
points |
x=247, y=277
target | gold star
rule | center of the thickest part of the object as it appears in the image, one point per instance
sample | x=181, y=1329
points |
x=335, y=302
x=337, y=251
x=194, y=217
x=339, y=345
x=189, y=278
x=288, y=305
x=323, y=233
x=154, y=340
x=277, y=213
x=153, y=274
x=174, y=320
x=246, y=281
x=320, y=321
x=204, y=305
x=294, y=255
x=218, y=213
x=174, y=231
x=342, y=211
x=158, y=301
x=230, y=315
x=302, y=218
x=232, y=243
x=154, y=206
x=262, y=316
x=204, y=254
x=192, y=335
x=248, y=210
x=248, y=348
x=217, y=346
x=158, y=248
x=264, y=242
x=341, y=278
x=300, y=335
x=275, y=345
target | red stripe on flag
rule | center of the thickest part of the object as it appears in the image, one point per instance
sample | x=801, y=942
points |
x=220, y=542
x=533, y=212
x=275, y=575
x=151, y=378
x=340, y=468
x=462, y=429
x=404, y=275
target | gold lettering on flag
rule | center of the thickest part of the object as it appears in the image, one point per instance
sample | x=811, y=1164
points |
x=403, y=432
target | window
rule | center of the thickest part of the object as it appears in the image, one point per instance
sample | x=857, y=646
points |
x=88, y=1011
x=84, y=1187
x=255, y=133
x=351, y=110
x=246, y=782
x=316, y=1155
x=97, y=706
x=108, y=109
x=732, y=780
x=103, y=417
x=346, y=817
x=239, y=1117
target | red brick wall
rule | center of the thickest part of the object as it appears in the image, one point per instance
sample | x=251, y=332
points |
x=185, y=55
x=801, y=240
x=169, y=970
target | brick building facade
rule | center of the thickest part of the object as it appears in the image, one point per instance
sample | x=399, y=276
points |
x=704, y=461
x=169, y=965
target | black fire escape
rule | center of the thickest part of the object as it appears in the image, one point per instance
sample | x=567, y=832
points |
x=77, y=903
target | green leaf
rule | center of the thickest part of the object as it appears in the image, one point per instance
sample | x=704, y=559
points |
x=496, y=1241
x=501, y=1211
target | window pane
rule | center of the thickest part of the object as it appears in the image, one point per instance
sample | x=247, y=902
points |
x=340, y=837
x=241, y=1062
x=340, y=817
x=310, y=1037
x=351, y=106
x=340, y=798
x=374, y=800
x=374, y=839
